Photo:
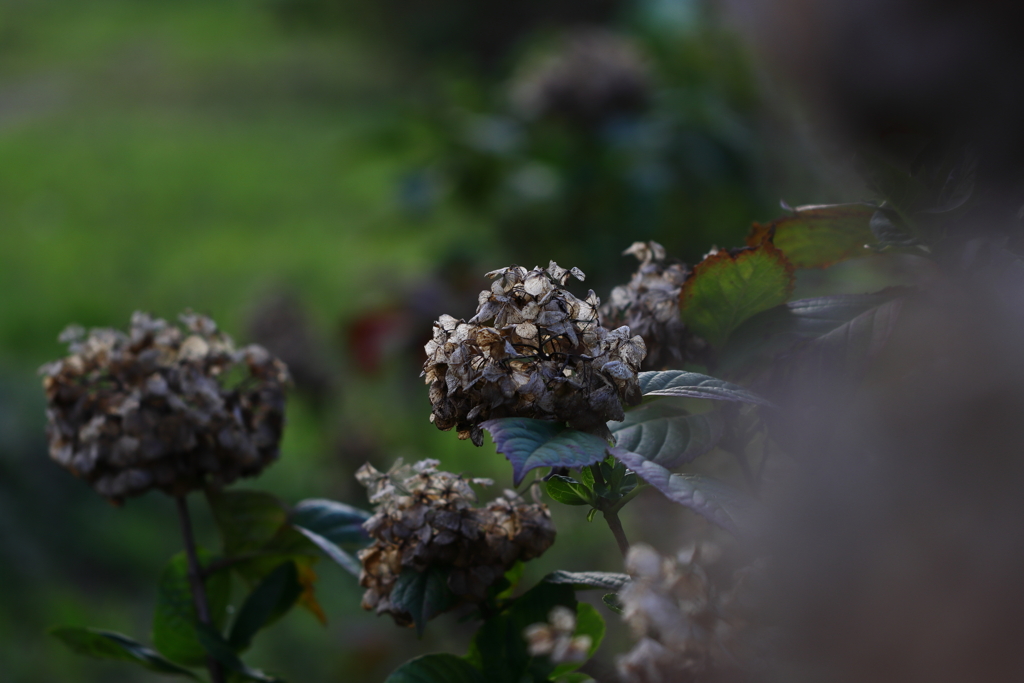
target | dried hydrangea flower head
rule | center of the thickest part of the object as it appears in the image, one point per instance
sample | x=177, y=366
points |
x=649, y=305
x=555, y=638
x=543, y=355
x=425, y=519
x=162, y=407
x=595, y=75
x=687, y=631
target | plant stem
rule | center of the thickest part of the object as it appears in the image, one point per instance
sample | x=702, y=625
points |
x=612, y=517
x=195, y=580
x=598, y=477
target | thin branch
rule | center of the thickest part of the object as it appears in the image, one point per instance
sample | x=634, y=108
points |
x=195, y=580
x=615, y=525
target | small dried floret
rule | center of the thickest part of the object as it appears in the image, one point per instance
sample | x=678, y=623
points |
x=687, y=631
x=544, y=355
x=649, y=305
x=555, y=638
x=162, y=407
x=425, y=518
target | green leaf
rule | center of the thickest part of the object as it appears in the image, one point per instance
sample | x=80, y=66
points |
x=667, y=434
x=586, y=580
x=695, y=385
x=818, y=236
x=568, y=491
x=174, y=619
x=508, y=582
x=424, y=595
x=436, y=668
x=612, y=602
x=109, y=645
x=778, y=330
x=574, y=677
x=248, y=520
x=724, y=290
x=529, y=444
x=218, y=648
x=499, y=648
x=589, y=622
x=339, y=523
x=707, y=497
x=271, y=599
x=347, y=562
x=889, y=230
x=591, y=514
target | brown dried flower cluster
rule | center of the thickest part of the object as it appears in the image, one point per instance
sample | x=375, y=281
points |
x=687, y=631
x=555, y=638
x=593, y=76
x=425, y=519
x=161, y=407
x=544, y=356
x=649, y=305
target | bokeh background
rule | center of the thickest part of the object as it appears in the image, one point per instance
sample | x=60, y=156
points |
x=326, y=177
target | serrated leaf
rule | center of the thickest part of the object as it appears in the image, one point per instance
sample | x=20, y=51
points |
x=707, y=497
x=436, y=668
x=101, y=644
x=567, y=491
x=424, y=595
x=218, y=648
x=337, y=522
x=612, y=602
x=587, y=580
x=818, y=236
x=695, y=385
x=499, y=648
x=174, y=619
x=271, y=599
x=589, y=622
x=665, y=433
x=724, y=290
x=529, y=444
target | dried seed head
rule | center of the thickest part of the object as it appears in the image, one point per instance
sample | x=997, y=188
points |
x=649, y=305
x=686, y=629
x=595, y=75
x=425, y=518
x=555, y=638
x=162, y=407
x=544, y=355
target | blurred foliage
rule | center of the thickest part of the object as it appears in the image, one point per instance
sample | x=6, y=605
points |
x=162, y=155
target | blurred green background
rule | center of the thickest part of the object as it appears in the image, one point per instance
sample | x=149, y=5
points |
x=327, y=177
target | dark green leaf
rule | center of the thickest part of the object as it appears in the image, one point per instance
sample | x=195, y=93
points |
x=695, y=385
x=705, y=496
x=665, y=433
x=437, y=668
x=274, y=596
x=499, y=648
x=109, y=645
x=575, y=677
x=589, y=622
x=529, y=444
x=612, y=602
x=567, y=491
x=818, y=236
x=423, y=595
x=509, y=582
x=724, y=290
x=585, y=580
x=889, y=230
x=339, y=523
x=174, y=619
x=347, y=562
x=215, y=646
x=247, y=520
x=773, y=332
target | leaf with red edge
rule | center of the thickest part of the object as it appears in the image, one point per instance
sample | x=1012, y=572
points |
x=819, y=236
x=726, y=288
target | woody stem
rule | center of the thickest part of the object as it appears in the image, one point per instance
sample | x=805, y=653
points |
x=195, y=580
